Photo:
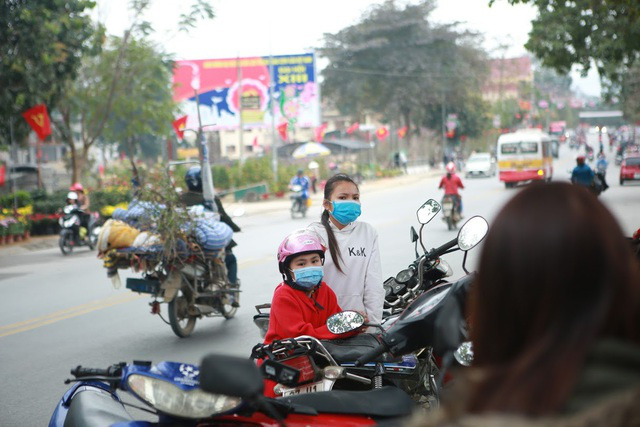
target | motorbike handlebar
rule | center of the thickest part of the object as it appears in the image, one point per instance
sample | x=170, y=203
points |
x=80, y=372
x=435, y=253
x=371, y=354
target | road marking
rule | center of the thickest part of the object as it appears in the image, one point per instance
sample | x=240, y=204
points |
x=68, y=313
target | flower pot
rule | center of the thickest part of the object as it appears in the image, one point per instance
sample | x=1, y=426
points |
x=9, y=238
x=26, y=235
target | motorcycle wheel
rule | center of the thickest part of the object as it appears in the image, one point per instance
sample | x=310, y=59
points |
x=66, y=242
x=91, y=239
x=449, y=223
x=227, y=310
x=181, y=322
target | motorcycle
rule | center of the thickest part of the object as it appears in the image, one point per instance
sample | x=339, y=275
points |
x=329, y=363
x=298, y=201
x=225, y=390
x=421, y=275
x=72, y=234
x=194, y=286
x=450, y=211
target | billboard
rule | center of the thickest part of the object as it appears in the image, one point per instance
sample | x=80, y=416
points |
x=235, y=88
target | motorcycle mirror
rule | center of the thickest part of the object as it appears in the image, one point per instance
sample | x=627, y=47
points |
x=230, y=376
x=428, y=211
x=472, y=233
x=464, y=354
x=413, y=234
x=345, y=321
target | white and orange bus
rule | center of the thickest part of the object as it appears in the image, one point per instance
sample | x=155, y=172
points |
x=524, y=155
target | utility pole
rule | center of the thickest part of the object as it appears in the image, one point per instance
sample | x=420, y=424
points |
x=274, y=151
x=241, y=128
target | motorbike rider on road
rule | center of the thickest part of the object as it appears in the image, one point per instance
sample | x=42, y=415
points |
x=582, y=174
x=193, y=179
x=601, y=169
x=303, y=182
x=451, y=182
x=82, y=203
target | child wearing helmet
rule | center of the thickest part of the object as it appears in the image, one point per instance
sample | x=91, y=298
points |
x=302, y=303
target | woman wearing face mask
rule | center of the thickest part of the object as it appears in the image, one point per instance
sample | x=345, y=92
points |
x=303, y=302
x=352, y=268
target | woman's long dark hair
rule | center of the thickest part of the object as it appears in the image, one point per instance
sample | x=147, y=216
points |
x=336, y=255
x=555, y=275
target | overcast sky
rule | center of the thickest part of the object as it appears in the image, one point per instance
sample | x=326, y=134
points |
x=261, y=27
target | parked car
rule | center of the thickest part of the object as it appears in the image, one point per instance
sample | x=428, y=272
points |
x=630, y=168
x=480, y=164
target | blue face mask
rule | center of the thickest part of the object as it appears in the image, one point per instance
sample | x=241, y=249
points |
x=346, y=211
x=308, y=277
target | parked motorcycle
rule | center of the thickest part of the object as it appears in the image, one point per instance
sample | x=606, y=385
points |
x=72, y=234
x=230, y=393
x=421, y=274
x=194, y=286
x=450, y=211
x=298, y=201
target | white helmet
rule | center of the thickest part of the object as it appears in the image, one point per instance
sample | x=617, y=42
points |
x=72, y=195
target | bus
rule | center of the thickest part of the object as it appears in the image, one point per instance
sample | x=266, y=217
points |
x=524, y=155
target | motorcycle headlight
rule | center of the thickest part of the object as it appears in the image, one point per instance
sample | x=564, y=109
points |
x=171, y=399
x=445, y=268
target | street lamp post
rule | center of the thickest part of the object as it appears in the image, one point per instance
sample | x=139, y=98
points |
x=208, y=190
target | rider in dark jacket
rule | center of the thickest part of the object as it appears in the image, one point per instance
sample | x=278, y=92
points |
x=193, y=179
x=582, y=174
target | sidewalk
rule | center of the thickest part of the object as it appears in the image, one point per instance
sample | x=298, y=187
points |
x=415, y=173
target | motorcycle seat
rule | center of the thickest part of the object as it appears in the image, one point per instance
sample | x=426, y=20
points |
x=348, y=350
x=385, y=402
x=93, y=407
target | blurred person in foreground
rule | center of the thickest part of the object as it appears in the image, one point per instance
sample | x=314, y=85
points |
x=554, y=317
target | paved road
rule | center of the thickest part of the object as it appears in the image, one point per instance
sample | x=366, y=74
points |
x=57, y=312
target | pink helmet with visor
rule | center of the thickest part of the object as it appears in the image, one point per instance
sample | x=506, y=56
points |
x=298, y=243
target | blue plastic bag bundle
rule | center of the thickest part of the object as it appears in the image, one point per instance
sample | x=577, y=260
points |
x=212, y=235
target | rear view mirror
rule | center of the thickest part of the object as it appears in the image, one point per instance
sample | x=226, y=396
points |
x=428, y=211
x=345, y=321
x=472, y=233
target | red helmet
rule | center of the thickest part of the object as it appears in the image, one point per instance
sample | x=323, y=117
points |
x=298, y=243
x=77, y=187
x=580, y=159
x=451, y=167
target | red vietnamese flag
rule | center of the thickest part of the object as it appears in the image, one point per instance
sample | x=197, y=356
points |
x=2, y=169
x=320, y=132
x=255, y=142
x=382, y=133
x=179, y=125
x=38, y=119
x=354, y=127
x=402, y=132
x=282, y=130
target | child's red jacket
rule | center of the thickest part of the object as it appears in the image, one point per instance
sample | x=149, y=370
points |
x=293, y=313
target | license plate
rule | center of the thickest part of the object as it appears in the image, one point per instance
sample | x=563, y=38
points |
x=636, y=175
x=306, y=388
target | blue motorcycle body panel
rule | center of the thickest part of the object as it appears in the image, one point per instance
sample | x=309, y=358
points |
x=183, y=375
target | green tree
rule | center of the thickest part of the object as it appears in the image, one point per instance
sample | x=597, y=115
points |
x=605, y=32
x=41, y=46
x=103, y=82
x=143, y=107
x=397, y=63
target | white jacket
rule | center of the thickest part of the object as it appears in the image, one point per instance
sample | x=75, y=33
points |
x=360, y=286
